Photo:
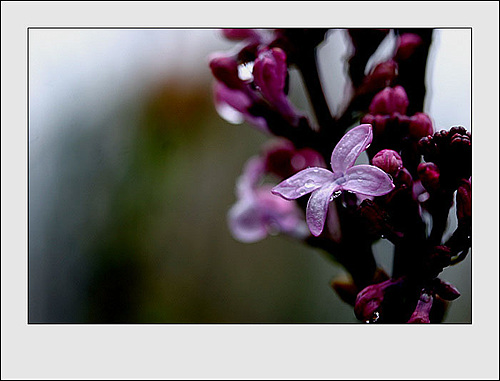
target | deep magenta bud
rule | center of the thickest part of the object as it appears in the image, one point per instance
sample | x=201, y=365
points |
x=407, y=44
x=464, y=200
x=225, y=70
x=422, y=310
x=446, y=290
x=429, y=175
x=240, y=34
x=388, y=160
x=389, y=101
x=369, y=300
x=420, y=126
x=381, y=76
x=270, y=71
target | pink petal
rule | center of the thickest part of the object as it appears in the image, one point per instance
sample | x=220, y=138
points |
x=302, y=183
x=317, y=208
x=350, y=147
x=368, y=180
x=253, y=171
x=246, y=222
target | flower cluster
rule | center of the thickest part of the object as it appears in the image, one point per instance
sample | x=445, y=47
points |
x=387, y=166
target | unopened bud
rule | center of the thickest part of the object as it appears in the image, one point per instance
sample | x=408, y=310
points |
x=240, y=34
x=422, y=310
x=390, y=101
x=270, y=71
x=388, y=160
x=446, y=290
x=429, y=175
x=225, y=70
x=369, y=300
x=420, y=126
x=464, y=200
x=407, y=45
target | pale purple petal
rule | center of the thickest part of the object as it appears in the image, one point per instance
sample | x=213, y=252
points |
x=368, y=180
x=303, y=182
x=246, y=221
x=281, y=215
x=350, y=147
x=317, y=208
x=253, y=171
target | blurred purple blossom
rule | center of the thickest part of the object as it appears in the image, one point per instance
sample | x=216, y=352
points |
x=258, y=213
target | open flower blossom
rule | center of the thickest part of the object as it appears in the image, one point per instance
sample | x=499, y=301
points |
x=258, y=213
x=326, y=185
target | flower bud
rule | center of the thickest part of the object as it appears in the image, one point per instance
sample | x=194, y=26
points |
x=240, y=34
x=429, y=175
x=225, y=70
x=284, y=160
x=389, y=161
x=270, y=71
x=420, y=126
x=422, y=310
x=381, y=76
x=389, y=101
x=446, y=290
x=464, y=200
x=369, y=300
x=407, y=44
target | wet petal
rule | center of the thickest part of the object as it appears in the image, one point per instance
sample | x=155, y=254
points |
x=350, y=147
x=303, y=182
x=368, y=180
x=317, y=208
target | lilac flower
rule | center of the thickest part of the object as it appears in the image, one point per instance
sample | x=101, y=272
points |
x=258, y=213
x=325, y=185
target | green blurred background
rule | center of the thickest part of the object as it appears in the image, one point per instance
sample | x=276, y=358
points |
x=132, y=172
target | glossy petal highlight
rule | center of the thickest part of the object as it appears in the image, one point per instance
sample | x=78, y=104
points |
x=350, y=147
x=317, y=208
x=368, y=180
x=303, y=182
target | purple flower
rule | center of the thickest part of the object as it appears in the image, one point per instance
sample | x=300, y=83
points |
x=232, y=105
x=325, y=185
x=258, y=213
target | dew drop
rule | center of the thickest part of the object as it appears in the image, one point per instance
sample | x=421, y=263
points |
x=425, y=298
x=309, y=183
x=335, y=195
x=245, y=71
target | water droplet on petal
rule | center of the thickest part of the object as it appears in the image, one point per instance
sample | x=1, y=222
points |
x=335, y=195
x=245, y=71
x=309, y=183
